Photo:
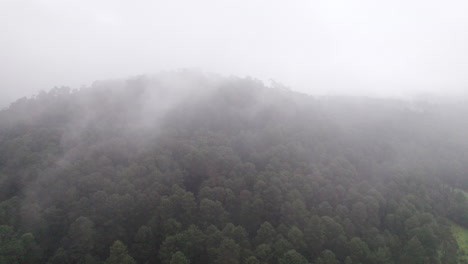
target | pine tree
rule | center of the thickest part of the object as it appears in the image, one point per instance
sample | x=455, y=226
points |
x=293, y=257
x=179, y=258
x=119, y=255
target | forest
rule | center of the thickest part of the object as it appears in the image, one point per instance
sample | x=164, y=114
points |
x=186, y=167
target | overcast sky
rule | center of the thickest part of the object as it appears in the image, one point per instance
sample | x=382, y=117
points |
x=362, y=47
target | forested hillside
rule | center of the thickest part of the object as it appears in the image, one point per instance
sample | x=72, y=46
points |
x=182, y=168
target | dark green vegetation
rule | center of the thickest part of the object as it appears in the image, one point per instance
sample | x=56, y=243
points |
x=184, y=168
x=461, y=235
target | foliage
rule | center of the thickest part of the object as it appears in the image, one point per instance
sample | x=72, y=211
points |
x=461, y=235
x=233, y=172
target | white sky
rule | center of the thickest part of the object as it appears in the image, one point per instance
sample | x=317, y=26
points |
x=361, y=47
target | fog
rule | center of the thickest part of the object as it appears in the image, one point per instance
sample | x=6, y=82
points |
x=373, y=48
x=233, y=132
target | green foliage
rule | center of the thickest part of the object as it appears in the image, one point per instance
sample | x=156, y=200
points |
x=327, y=257
x=81, y=235
x=14, y=249
x=265, y=234
x=252, y=260
x=358, y=249
x=293, y=257
x=461, y=236
x=264, y=253
x=235, y=172
x=118, y=254
x=179, y=258
x=228, y=252
x=143, y=246
x=212, y=212
x=413, y=252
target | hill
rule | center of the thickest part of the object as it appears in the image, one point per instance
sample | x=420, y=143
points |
x=191, y=168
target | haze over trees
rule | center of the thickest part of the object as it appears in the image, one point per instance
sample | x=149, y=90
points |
x=184, y=167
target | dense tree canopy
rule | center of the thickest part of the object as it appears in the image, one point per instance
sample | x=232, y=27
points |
x=188, y=168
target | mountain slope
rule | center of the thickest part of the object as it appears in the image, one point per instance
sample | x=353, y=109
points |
x=185, y=166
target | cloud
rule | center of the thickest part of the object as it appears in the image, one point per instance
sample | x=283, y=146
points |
x=322, y=47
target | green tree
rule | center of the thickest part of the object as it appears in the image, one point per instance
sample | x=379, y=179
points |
x=413, y=252
x=81, y=234
x=296, y=237
x=332, y=231
x=212, y=213
x=381, y=256
x=179, y=258
x=294, y=213
x=265, y=234
x=228, y=252
x=348, y=260
x=238, y=234
x=281, y=246
x=118, y=254
x=358, y=249
x=251, y=260
x=11, y=250
x=327, y=257
x=32, y=251
x=60, y=257
x=314, y=235
x=359, y=213
x=264, y=253
x=180, y=205
x=143, y=247
x=293, y=257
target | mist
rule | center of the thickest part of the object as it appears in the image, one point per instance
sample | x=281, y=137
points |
x=380, y=49
x=229, y=132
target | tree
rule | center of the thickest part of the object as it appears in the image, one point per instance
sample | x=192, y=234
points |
x=314, y=235
x=180, y=205
x=238, y=234
x=296, y=237
x=212, y=213
x=325, y=209
x=143, y=246
x=381, y=256
x=294, y=213
x=265, y=234
x=119, y=255
x=348, y=260
x=228, y=252
x=81, y=234
x=252, y=260
x=332, y=231
x=327, y=257
x=179, y=258
x=11, y=250
x=413, y=252
x=263, y=253
x=358, y=249
x=60, y=256
x=281, y=246
x=32, y=251
x=359, y=213
x=293, y=257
